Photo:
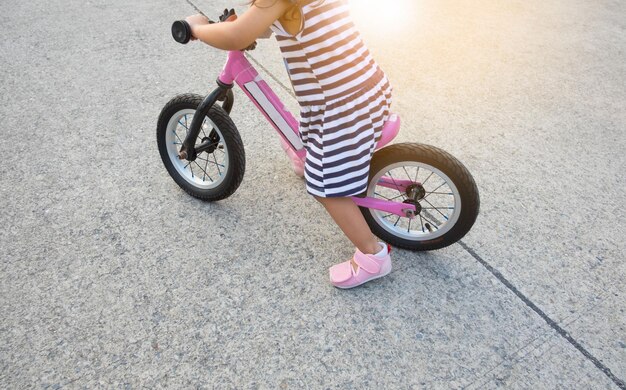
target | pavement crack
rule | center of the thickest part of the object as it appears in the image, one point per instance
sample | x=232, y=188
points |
x=562, y=332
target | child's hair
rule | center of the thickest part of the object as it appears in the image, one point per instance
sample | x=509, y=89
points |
x=296, y=8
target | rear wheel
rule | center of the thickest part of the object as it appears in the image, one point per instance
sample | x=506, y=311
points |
x=215, y=173
x=437, y=184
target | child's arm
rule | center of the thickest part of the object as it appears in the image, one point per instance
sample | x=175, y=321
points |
x=241, y=32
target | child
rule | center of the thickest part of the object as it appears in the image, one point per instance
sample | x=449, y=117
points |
x=344, y=99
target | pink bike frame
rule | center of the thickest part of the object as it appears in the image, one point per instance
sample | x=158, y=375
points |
x=239, y=70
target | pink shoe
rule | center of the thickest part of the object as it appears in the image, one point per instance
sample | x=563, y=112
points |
x=371, y=267
x=296, y=163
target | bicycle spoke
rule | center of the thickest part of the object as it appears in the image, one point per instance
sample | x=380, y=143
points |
x=417, y=173
x=422, y=222
x=218, y=165
x=205, y=168
x=433, y=221
x=407, y=173
x=389, y=199
x=202, y=128
x=424, y=199
x=424, y=182
x=205, y=172
x=176, y=134
x=396, y=184
x=383, y=196
x=397, y=220
x=428, y=193
x=191, y=169
x=408, y=230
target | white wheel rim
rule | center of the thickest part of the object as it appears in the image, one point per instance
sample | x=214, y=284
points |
x=209, y=169
x=441, y=205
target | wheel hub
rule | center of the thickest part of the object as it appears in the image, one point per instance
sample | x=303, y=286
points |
x=213, y=139
x=415, y=192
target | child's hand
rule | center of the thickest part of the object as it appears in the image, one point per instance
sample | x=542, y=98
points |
x=228, y=15
x=196, y=20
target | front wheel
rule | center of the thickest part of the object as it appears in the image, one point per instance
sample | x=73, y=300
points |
x=217, y=171
x=437, y=184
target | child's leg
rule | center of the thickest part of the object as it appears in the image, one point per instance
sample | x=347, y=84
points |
x=349, y=218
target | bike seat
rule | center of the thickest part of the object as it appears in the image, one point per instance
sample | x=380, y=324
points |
x=390, y=130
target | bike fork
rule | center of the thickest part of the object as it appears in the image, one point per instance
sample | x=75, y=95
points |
x=188, y=150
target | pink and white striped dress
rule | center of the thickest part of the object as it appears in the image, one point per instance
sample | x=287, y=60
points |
x=344, y=98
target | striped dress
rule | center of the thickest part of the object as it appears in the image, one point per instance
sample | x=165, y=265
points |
x=344, y=98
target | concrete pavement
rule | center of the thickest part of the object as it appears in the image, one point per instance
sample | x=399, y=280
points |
x=95, y=290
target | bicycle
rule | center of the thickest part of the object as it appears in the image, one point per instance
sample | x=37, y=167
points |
x=409, y=183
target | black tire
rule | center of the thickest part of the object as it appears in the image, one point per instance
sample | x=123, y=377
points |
x=230, y=144
x=466, y=196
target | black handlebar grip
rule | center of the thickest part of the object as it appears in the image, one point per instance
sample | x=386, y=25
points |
x=181, y=31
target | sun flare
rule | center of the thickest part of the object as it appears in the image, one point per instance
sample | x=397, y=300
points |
x=384, y=16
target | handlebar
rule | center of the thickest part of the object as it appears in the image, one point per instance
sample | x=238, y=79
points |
x=181, y=30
